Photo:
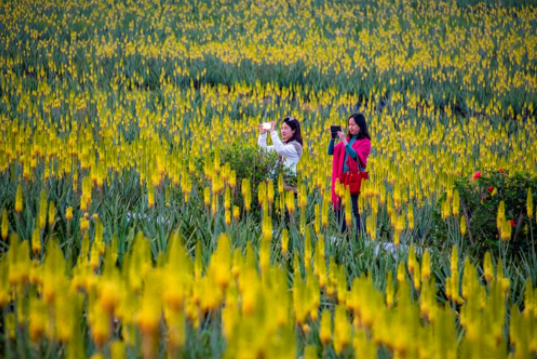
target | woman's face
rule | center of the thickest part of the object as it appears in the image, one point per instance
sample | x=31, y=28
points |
x=287, y=132
x=354, y=129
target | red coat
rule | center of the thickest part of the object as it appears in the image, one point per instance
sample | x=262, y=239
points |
x=362, y=148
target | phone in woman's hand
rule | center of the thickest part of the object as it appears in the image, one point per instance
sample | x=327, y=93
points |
x=334, y=130
x=266, y=125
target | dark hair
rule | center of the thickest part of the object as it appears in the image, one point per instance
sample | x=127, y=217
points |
x=359, y=119
x=295, y=125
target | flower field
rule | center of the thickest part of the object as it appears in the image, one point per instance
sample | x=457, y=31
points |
x=135, y=216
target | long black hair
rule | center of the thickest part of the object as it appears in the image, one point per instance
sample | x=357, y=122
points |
x=295, y=125
x=359, y=119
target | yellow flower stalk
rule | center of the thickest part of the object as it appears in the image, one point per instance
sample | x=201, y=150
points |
x=390, y=293
x=463, y=226
x=18, y=199
x=149, y=316
x=401, y=272
x=446, y=209
x=325, y=333
x=341, y=283
x=232, y=179
x=488, y=268
x=117, y=349
x=95, y=258
x=280, y=184
x=500, y=219
x=410, y=215
x=266, y=224
x=227, y=199
x=150, y=196
x=303, y=197
x=38, y=319
x=221, y=261
x=214, y=205
x=236, y=213
x=505, y=231
x=400, y=224
x=51, y=213
x=363, y=347
x=100, y=326
x=454, y=261
x=109, y=296
x=290, y=203
x=207, y=197
x=247, y=194
x=396, y=197
x=69, y=213
x=84, y=224
x=342, y=329
x=425, y=266
x=4, y=225
x=310, y=352
x=456, y=203
x=396, y=238
x=317, y=219
x=339, y=189
x=285, y=241
x=264, y=256
x=198, y=263
x=416, y=277
x=262, y=193
x=270, y=192
x=217, y=161
x=302, y=225
x=250, y=294
x=176, y=330
x=43, y=209
x=36, y=241
x=307, y=249
x=412, y=263
x=348, y=209
x=324, y=214
x=389, y=207
x=11, y=325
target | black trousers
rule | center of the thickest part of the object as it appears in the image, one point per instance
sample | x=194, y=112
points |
x=340, y=215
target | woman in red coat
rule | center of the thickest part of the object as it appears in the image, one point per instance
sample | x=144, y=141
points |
x=356, y=145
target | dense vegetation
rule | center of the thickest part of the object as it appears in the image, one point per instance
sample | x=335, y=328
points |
x=136, y=219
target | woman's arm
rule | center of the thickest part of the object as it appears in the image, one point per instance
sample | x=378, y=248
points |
x=281, y=148
x=331, y=147
x=262, y=140
x=350, y=151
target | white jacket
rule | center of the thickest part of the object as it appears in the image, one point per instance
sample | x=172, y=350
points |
x=288, y=151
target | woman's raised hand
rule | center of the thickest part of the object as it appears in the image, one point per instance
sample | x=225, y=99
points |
x=261, y=129
x=272, y=126
x=341, y=135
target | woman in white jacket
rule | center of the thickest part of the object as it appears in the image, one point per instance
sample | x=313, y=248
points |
x=290, y=149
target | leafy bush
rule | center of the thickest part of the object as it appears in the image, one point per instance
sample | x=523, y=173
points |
x=250, y=162
x=253, y=163
x=480, y=199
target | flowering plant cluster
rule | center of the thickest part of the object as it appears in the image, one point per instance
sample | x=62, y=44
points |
x=497, y=206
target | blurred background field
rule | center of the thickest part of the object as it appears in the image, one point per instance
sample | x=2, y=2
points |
x=136, y=220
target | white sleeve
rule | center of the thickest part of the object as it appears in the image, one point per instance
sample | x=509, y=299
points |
x=282, y=149
x=262, y=142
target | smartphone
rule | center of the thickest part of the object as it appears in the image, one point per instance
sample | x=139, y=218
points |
x=266, y=126
x=334, y=130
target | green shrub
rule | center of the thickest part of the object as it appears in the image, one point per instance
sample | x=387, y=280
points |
x=253, y=163
x=480, y=198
